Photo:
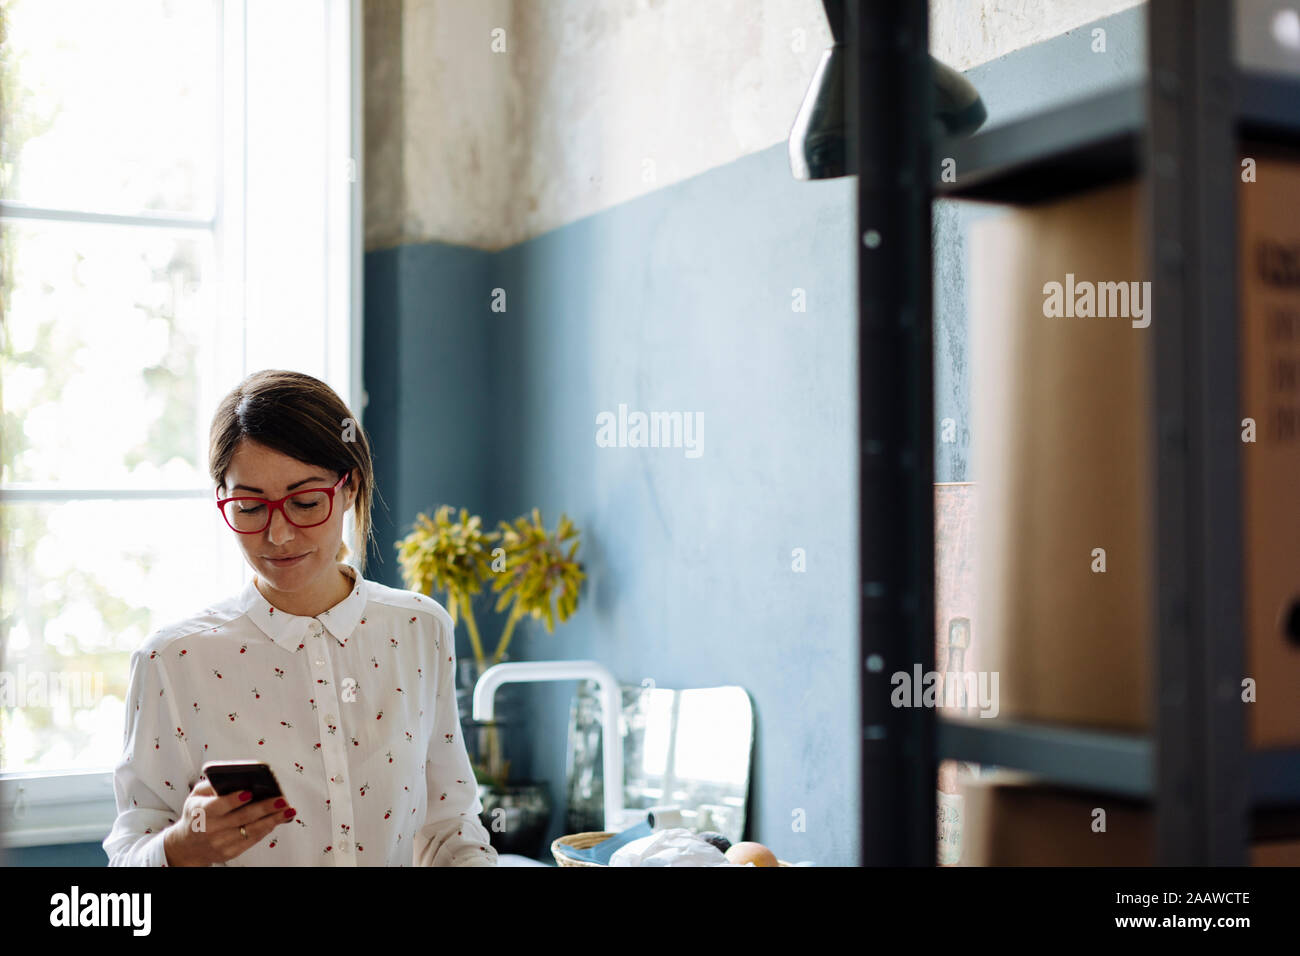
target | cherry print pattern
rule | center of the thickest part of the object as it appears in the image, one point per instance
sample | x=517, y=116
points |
x=245, y=636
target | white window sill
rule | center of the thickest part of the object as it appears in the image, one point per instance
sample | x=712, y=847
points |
x=45, y=809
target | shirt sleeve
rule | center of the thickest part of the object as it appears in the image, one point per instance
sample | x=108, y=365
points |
x=452, y=834
x=149, y=781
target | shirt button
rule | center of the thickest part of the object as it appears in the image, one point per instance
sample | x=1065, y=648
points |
x=329, y=718
x=319, y=662
x=343, y=844
x=339, y=781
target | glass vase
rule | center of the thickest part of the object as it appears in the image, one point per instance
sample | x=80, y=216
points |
x=485, y=739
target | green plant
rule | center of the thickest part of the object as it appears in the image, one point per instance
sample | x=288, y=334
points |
x=531, y=571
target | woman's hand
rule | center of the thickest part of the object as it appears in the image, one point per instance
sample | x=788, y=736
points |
x=208, y=831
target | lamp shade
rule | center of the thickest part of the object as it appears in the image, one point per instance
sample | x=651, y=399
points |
x=818, y=141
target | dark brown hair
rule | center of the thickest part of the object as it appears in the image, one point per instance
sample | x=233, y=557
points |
x=304, y=418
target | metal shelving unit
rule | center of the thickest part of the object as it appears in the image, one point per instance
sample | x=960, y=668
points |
x=889, y=147
x=1180, y=129
x=1071, y=756
x=1080, y=145
x=1099, y=760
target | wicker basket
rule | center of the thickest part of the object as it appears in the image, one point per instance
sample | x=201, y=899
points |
x=585, y=841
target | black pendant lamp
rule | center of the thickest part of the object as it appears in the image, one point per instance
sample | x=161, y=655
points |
x=819, y=137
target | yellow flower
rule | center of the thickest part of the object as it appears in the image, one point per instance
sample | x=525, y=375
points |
x=457, y=557
x=536, y=566
x=447, y=556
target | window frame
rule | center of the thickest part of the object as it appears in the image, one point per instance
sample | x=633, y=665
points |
x=43, y=808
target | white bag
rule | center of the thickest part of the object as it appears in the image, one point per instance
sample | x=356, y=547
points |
x=673, y=847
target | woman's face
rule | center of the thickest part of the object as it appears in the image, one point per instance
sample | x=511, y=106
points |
x=258, y=470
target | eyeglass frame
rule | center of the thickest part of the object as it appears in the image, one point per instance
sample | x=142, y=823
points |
x=279, y=503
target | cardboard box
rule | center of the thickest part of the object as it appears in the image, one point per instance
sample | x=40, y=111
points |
x=1011, y=821
x=1269, y=280
x=1063, y=454
x=1062, y=462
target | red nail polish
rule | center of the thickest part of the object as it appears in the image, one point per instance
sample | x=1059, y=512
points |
x=246, y=795
x=279, y=804
x=288, y=814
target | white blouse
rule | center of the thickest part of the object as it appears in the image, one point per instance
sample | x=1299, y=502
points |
x=354, y=711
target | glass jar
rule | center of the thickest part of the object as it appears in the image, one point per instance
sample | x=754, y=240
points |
x=517, y=816
x=584, y=766
x=485, y=740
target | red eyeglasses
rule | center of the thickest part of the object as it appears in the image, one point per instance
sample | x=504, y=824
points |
x=302, y=509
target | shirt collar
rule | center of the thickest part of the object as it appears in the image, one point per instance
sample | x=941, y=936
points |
x=293, y=631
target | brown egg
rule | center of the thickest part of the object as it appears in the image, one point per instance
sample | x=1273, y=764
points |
x=756, y=853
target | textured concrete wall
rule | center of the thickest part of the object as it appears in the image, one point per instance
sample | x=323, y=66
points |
x=966, y=33
x=384, y=189
x=585, y=104
x=442, y=145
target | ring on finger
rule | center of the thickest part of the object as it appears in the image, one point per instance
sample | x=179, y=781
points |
x=243, y=833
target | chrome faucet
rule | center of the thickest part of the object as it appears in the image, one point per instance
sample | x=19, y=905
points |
x=611, y=700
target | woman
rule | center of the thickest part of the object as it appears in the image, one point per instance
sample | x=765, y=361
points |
x=342, y=685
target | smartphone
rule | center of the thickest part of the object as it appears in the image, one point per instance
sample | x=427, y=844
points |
x=233, y=776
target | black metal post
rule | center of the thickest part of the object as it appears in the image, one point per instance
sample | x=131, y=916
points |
x=889, y=108
x=1192, y=173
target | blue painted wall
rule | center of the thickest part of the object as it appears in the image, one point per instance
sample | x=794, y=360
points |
x=426, y=354
x=677, y=301
x=682, y=301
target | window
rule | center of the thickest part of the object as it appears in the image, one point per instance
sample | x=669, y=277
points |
x=179, y=206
